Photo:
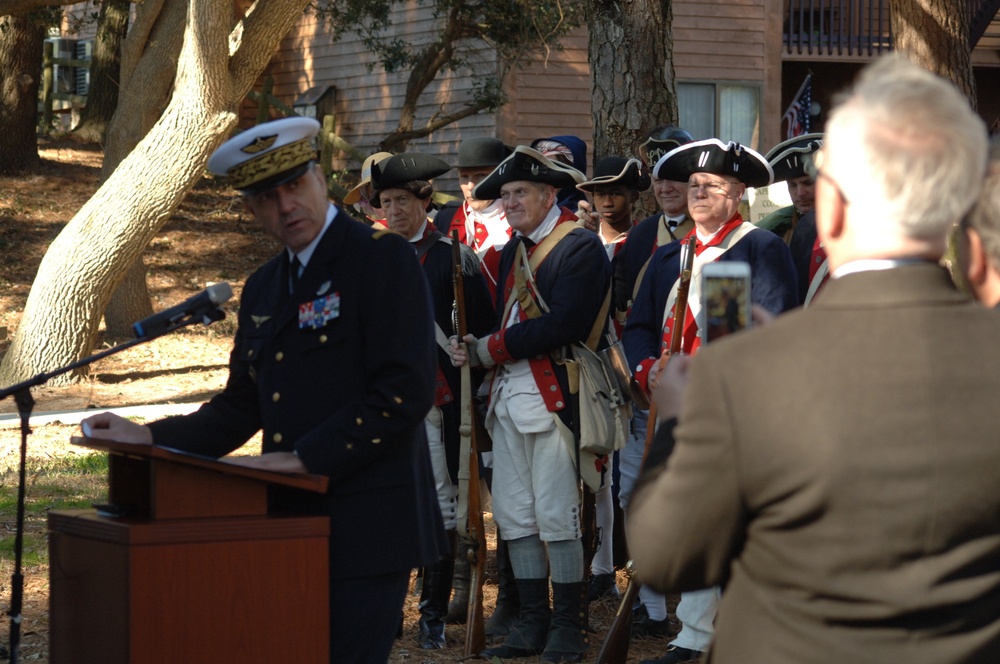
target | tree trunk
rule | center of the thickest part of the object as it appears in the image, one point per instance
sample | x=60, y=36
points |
x=102, y=98
x=634, y=91
x=130, y=302
x=20, y=78
x=91, y=255
x=934, y=34
x=147, y=78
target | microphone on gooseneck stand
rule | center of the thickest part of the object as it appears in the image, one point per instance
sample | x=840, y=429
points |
x=204, y=306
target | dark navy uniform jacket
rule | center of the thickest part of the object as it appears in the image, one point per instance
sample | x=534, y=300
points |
x=573, y=280
x=347, y=390
x=772, y=285
x=480, y=318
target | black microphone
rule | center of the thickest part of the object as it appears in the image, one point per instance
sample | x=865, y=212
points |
x=204, y=305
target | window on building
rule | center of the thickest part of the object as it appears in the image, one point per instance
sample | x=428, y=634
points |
x=727, y=111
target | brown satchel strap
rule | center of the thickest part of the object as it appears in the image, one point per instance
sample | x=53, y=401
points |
x=533, y=309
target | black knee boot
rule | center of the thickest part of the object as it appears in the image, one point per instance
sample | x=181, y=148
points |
x=434, y=601
x=508, y=601
x=528, y=633
x=458, y=608
x=567, y=639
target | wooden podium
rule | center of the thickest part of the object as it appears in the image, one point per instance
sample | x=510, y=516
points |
x=185, y=565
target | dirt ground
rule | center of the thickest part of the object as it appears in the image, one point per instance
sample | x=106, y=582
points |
x=209, y=239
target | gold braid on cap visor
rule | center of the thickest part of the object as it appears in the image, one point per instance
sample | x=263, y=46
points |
x=271, y=163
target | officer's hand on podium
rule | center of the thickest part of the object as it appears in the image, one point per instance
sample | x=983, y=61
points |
x=279, y=462
x=108, y=426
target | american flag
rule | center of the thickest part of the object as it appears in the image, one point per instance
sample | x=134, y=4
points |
x=797, y=114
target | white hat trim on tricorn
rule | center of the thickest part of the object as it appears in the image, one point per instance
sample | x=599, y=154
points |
x=787, y=158
x=632, y=169
x=713, y=156
x=265, y=151
x=528, y=165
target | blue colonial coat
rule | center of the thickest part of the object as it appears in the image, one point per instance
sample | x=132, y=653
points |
x=772, y=282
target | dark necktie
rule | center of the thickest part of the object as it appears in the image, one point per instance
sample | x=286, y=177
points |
x=294, y=268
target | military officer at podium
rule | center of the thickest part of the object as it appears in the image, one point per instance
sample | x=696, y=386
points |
x=322, y=363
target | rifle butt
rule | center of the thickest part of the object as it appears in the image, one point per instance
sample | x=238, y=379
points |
x=614, y=649
x=475, y=623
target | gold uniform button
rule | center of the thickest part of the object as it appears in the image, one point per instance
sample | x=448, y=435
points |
x=359, y=421
x=277, y=438
x=376, y=441
x=398, y=400
x=250, y=353
x=279, y=356
x=385, y=413
x=276, y=397
x=322, y=338
x=349, y=446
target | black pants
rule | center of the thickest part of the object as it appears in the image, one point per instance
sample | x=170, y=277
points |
x=364, y=617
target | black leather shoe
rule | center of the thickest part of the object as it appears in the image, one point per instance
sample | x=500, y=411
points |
x=648, y=628
x=601, y=586
x=676, y=655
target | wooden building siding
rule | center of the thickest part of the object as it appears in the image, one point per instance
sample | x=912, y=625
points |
x=551, y=98
x=368, y=102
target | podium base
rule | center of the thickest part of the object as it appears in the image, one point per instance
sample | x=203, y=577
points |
x=238, y=589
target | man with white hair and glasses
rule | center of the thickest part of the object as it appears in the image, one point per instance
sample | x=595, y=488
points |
x=853, y=518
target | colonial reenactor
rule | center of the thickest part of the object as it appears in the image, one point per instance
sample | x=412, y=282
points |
x=536, y=487
x=480, y=224
x=628, y=266
x=617, y=184
x=360, y=196
x=340, y=388
x=796, y=223
x=717, y=174
x=402, y=190
x=569, y=150
x=658, y=230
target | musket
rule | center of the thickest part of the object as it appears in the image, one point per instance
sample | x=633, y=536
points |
x=614, y=649
x=470, y=511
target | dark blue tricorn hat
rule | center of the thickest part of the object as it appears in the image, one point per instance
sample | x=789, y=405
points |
x=788, y=158
x=630, y=173
x=482, y=151
x=661, y=141
x=713, y=156
x=530, y=165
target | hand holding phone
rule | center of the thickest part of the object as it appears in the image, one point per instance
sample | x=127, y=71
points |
x=725, y=299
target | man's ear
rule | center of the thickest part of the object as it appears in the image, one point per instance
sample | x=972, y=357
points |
x=830, y=213
x=973, y=259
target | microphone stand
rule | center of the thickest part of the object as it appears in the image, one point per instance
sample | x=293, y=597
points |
x=25, y=403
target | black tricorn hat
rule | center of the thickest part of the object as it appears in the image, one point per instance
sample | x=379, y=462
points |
x=788, y=158
x=630, y=173
x=529, y=165
x=661, y=141
x=399, y=169
x=482, y=151
x=713, y=156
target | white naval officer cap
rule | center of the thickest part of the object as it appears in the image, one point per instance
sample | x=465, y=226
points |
x=268, y=155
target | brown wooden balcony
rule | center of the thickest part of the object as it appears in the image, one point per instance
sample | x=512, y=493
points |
x=856, y=29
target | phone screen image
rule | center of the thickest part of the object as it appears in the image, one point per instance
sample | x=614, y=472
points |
x=726, y=304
